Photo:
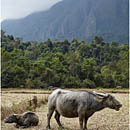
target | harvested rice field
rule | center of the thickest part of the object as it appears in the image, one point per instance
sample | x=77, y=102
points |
x=106, y=119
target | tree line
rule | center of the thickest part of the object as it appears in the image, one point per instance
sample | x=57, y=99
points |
x=63, y=63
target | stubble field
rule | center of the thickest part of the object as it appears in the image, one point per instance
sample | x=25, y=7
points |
x=106, y=119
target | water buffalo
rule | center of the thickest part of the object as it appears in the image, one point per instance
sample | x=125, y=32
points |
x=82, y=104
x=24, y=120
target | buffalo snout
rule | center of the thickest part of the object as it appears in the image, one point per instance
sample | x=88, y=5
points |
x=7, y=121
x=117, y=107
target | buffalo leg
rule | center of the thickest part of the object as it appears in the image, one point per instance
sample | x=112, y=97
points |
x=81, y=122
x=85, y=123
x=49, y=115
x=57, y=117
x=17, y=126
x=26, y=123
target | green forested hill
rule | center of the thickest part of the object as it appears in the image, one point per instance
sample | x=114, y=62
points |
x=64, y=64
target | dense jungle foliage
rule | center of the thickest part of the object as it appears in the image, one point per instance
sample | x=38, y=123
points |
x=63, y=64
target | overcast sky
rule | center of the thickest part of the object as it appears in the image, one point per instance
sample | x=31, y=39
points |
x=21, y=8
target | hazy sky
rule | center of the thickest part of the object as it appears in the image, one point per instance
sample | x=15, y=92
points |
x=21, y=8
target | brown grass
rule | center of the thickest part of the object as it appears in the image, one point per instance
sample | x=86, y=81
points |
x=41, y=91
x=106, y=119
x=18, y=106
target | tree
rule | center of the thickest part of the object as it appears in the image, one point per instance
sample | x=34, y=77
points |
x=98, y=40
x=107, y=75
x=89, y=68
x=85, y=50
x=63, y=63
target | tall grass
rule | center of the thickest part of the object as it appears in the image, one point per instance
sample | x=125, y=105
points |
x=20, y=108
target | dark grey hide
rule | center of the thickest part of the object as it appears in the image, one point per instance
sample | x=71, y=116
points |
x=25, y=120
x=82, y=104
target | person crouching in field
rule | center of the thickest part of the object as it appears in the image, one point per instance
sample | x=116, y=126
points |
x=33, y=103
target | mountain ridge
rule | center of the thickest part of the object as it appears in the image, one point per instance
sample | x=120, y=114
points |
x=74, y=18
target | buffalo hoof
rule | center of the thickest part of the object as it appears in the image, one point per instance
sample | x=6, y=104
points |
x=48, y=128
x=16, y=126
x=60, y=128
x=24, y=127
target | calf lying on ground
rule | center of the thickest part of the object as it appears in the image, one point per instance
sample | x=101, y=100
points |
x=82, y=104
x=25, y=120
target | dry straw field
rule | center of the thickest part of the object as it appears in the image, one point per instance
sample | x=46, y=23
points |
x=106, y=119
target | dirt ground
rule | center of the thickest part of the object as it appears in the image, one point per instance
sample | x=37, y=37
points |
x=106, y=119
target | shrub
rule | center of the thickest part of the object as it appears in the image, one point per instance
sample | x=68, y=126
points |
x=87, y=83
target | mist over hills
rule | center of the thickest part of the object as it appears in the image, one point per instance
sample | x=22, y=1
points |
x=82, y=19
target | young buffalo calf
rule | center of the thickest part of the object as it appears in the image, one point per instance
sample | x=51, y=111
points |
x=25, y=120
